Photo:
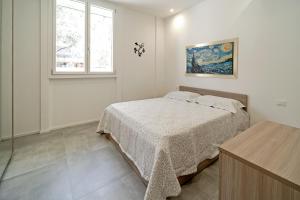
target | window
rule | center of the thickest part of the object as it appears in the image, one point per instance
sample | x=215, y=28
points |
x=101, y=39
x=83, y=38
x=70, y=36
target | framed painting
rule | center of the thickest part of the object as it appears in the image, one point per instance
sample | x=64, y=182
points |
x=214, y=59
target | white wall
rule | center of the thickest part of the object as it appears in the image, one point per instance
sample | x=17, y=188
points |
x=269, y=70
x=43, y=104
x=137, y=74
x=27, y=66
x=160, y=58
x=80, y=100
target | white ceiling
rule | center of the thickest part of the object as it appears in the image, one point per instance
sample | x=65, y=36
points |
x=159, y=8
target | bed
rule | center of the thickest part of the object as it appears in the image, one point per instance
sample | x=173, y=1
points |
x=168, y=141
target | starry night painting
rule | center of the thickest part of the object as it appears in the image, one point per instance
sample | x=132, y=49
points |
x=212, y=60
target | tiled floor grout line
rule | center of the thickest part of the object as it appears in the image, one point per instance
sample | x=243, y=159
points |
x=98, y=188
x=49, y=163
x=74, y=157
x=33, y=170
x=103, y=186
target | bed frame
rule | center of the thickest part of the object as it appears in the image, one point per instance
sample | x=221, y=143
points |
x=202, y=165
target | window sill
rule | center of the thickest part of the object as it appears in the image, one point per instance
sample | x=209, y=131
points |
x=81, y=76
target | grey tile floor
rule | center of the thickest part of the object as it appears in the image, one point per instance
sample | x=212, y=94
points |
x=78, y=164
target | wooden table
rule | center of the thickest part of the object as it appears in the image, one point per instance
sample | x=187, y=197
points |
x=262, y=163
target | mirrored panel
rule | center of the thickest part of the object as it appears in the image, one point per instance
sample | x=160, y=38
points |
x=6, y=86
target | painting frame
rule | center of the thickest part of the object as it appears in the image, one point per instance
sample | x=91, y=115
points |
x=234, y=75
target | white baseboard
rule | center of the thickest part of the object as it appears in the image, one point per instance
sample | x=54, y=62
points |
x=72, y=124
x=21, y=135
x=45, y=131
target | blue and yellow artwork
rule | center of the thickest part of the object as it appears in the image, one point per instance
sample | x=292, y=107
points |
x=215, y=59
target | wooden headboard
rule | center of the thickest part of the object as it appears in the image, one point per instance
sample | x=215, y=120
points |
x=240, y=97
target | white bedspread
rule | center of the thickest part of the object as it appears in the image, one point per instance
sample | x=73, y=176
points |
x=167, y=138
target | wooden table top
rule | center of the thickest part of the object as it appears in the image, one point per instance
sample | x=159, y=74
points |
x=270, y=147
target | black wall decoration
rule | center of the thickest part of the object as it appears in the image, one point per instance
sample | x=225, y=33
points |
x=139, y=49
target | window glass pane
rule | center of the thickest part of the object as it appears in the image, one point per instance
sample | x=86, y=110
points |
x=70, y=36
x=101, y=39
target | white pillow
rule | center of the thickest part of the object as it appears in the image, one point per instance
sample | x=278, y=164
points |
x=182, y=95
x=204, y=100
x=230, y=105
